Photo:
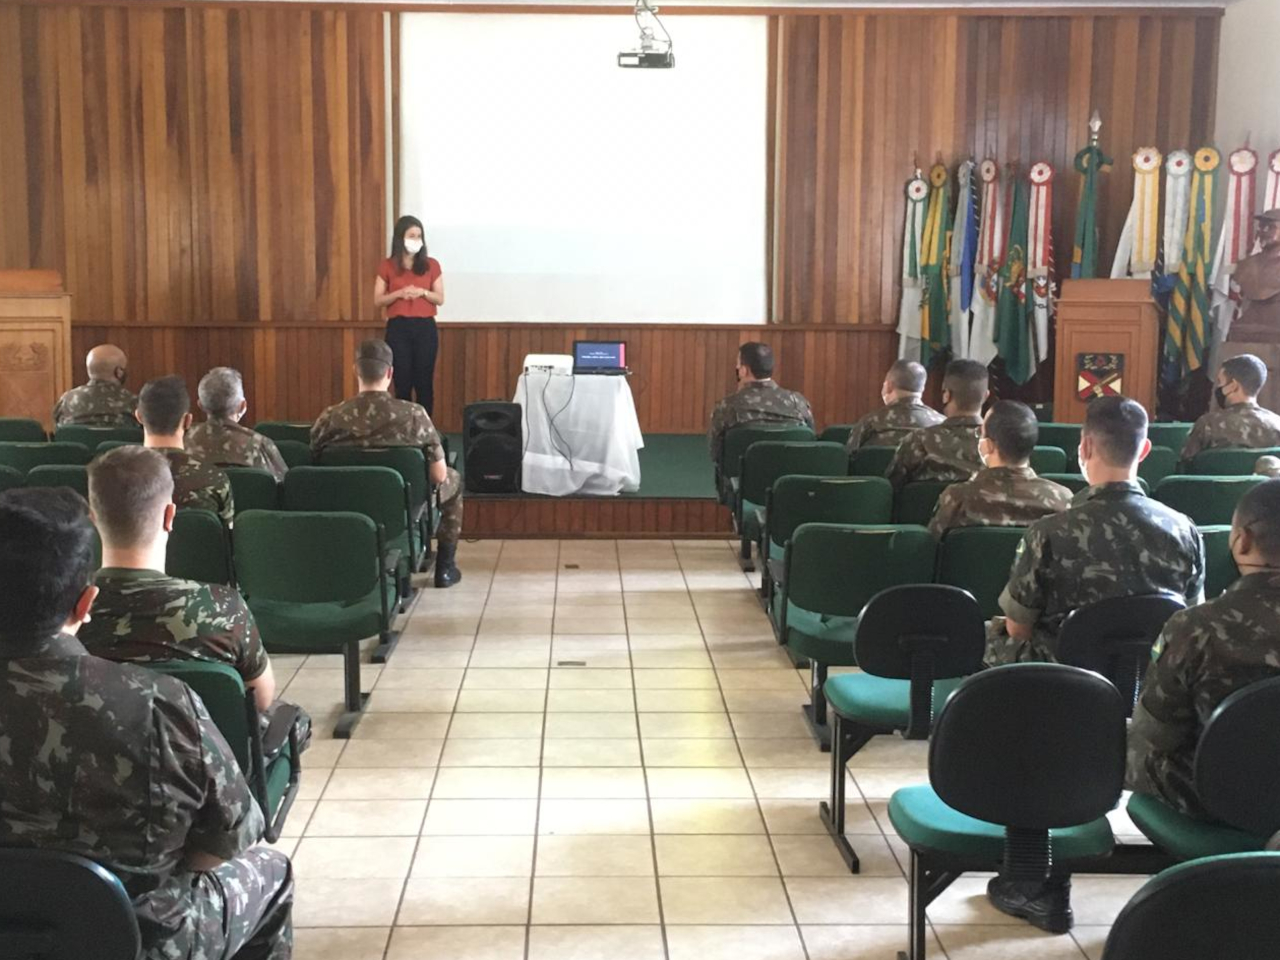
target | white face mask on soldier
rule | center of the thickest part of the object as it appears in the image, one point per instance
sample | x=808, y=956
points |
x=412, y=246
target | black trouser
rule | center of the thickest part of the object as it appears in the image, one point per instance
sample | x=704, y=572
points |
x=414, y=342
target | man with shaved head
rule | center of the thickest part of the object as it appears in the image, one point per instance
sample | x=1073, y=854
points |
x=903, y=412
x=103, y=401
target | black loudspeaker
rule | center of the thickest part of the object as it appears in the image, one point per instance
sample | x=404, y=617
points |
x=493, y=446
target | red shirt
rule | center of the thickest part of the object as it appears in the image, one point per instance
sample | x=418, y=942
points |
x=395, y=278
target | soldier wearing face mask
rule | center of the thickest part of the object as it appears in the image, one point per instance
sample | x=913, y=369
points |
x=410, y=289
x=1238, y=421
x=902, y=414
x=103, y=401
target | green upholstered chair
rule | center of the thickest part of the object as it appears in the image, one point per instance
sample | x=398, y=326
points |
x=199, y=548
x=268, y=759
x=998, y=799
x=316, y=583
x=738, y=439
x=21, y=430
x=10, y=478
x=1213, y=907
x=253, y=488
x=23, y=456
x=411, y=464
x=92, y=436
x=279, y=430
x=871, y=461
x=1171, y=435
x=830, y=572
x=914, y=644
x=1206, y=500
x=1064, y=436
x=105, y=445
x=1075, y=482
x=294, y=453
x=1228, y=461
x=764, y=462
x=917, y=500
x=836, y=433
x=1237, y=779
x=978, y=560
x=1161, y=462
x=71, y=475
x=1046, y=459
x=1220, y=570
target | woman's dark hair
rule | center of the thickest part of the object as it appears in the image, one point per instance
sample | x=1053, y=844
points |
x=397, y=244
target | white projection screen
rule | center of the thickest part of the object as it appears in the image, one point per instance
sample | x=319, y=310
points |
x=556, y=186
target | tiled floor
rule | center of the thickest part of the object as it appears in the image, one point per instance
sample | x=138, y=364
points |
x=594, y=751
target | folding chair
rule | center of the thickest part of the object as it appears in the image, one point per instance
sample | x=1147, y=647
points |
x=1049, y=459
x=1161, y=462
x=1228, y=461
x=253, y=488
x=914, y=644
x=917, y=500
x=91, y=437
x=1220, y=570
x=871, y=461
x=738, y=439
x=978, y=560
x=411, y=464
x=1206, y=500
x=278, y=430
x=199, y=548
x=60, y=475
x=21, y=430
x=763, y=463
x=23, y=456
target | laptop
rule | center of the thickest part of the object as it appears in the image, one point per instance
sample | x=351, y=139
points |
x=607, y=357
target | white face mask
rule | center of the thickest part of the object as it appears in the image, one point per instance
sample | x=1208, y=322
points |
x=412, y=246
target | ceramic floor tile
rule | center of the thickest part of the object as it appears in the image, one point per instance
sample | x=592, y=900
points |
x=585, y=783
x=672, y=752
x=570, y=726
x=848, y=899
x=671, y=659
x=790, y=783
x=879, y=783
x=817, y=856
x=371, y=783
x=965, y=902
x=660, y=679
x=845, y=942
x=685, y=726
x=759, y=679
x=593, y=817
x=892, y=751
x=353, y=858
x=734, y=943
x=1006, y=943
x=366, y=818
x=299, y=816
x=503, y=659
x=596, y=943
x=779, y=752
x=691, y=816
x=397, y=700
x=386, y=754
x=595, y=856
x=528, y=678
x=594, y=900
x=576, y=678
x=501, y=701
x=486, y=783
x=1096, y=900
x=585, y=752
x=324, y=754
x=471, y=856
x=438, y=679
x=495, y=726
x=766, y=701
x=522, y=752
x=369, y=903
x=456, y=943
x=311, y=784
x=465, y=900
x=402, y=726
x=590, y=701
x=724, y=900
x=715, y=855
x=1091, y=940
x=698, y=782
x=679, y=701
x=334, y=943
x=480, y=818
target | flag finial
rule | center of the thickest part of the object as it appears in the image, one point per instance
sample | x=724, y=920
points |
x=1095, y=127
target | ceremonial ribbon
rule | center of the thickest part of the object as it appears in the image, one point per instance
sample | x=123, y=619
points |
x=1040, y=254
x=964, y=242
x=991, y=237
x=1189, y=308
x=912, y=238
x=1140, y=241
x=1236, y=240
x=1272, y=199
x=934, y=335
x=1084, y=257
x=1177, y=192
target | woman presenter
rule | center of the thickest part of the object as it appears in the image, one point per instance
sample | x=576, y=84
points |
x=410, y=289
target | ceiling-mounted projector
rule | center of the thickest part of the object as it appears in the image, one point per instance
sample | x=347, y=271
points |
x=653, y=53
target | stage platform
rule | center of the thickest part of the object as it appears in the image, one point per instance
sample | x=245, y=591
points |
x=677, y=498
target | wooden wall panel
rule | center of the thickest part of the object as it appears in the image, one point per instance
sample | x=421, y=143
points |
x=195, y=163
x=858, y=96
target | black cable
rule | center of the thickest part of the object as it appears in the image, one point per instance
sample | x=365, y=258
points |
x=553, y=429
x=642, y=6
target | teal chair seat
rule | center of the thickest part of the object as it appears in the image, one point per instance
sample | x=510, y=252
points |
x=827, y=639
x=284, y=624
x=880, y=701
x=1183, y=836
x=926, y=823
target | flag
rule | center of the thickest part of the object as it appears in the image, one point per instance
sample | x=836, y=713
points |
x=1187, y=327
x=1234, y=242
x=1139, y=245
x=912, y=239
x=986, y=272
x=935, y=335
x=1084, y=257
x=1013, y=332
x=1040, y=258
x=964, y=243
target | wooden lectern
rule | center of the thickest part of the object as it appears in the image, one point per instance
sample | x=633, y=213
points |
x=35, y=343
x=1108, y=338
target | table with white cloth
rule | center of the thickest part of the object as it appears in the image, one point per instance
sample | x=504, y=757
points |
x=581, y=434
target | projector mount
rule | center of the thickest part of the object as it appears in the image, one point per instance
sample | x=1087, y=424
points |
x=654, y=53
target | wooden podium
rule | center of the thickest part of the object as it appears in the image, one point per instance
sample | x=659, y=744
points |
x=35, y=343
x=1108, y=334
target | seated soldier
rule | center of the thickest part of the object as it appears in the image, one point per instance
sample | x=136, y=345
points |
x=948, y=450
x=374, y=418
x=1206, y=653
x=1113, y=541
x=1238, y=421
x=221, y=440
x=1006, y=492
x=103, y=401
x=758, y=399
x=164, y=412
x=119, y=764
x=903, y=412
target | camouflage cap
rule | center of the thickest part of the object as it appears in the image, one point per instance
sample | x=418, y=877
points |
x=374, y=350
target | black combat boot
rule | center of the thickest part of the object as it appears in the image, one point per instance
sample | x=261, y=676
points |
x=447, y=572
x=1042, y=903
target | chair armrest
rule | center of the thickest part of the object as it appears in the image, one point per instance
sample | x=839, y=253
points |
x=777, y=571
x=283, y=718
x=391, y=561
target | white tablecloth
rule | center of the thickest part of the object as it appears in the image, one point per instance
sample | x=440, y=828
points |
x=581, y=434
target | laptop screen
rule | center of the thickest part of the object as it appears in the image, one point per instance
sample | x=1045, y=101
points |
x=599, y=354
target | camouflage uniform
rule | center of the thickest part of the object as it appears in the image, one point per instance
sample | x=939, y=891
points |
x=99, y=403
x=947, y=451
x=758, y=401
x=374, y=418
x=123, y=766
x=200, y=485
x=1244, y=425
x=891, y=424
x=998, y=497
x=225, y=443
x=1203, y=655
x=1112, y=542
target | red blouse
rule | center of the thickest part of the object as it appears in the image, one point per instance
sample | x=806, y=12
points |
x=395, y=279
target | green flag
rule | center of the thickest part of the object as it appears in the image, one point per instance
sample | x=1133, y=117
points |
x=1186, y=332
x=1013, y=310
x=1084, y=256
x=935, y=308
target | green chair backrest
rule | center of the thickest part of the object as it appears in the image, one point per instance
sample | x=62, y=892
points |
x=10, y=478
x=253, y=488
x=837, y=433
x=1064, y=436
x=1075, y=482
x=1171, y=435
x=306, y=557
x=279, y=430
x=23, y=456
x=1046, y=459
x=1228, y=461
x=871, y=461
x=1220, y=570
x=223, y=693
x=1206, y=500
x=767, y=460
x=978, y=559
x=294, y=453
x=21, y=430
x=738, y=439
x=917, y=499
x=1161, y=462
x=92, y=436
x=409, y=462
x=836, y=568
x=794, y=500
x=199, y=548
x=71, y=475
x=106, y=445
x=377, y=492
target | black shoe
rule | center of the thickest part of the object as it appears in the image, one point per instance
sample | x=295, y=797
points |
x=1042, y=903
x=447, y=572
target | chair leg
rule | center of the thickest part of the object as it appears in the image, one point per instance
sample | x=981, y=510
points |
x=926, y=884
x=355, y=699
x=744, y=556
x=816, y=711
x=847, y=738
